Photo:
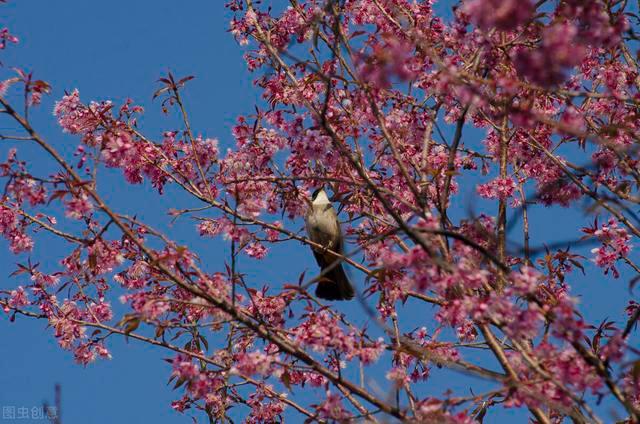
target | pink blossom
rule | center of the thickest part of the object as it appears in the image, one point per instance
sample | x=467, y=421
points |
x=17, y=298
x=67, y=330
x=273, y=235
x=101, y=311
x=153, y=308
x=434, y=410
x=104, y=256
x=139, y=269
x=503, y=15
x=321, y=331
x=370, y=354
x=452, y=313
x=252, y=363
x=263, y=408
x=209, y=228
x=84, y=354
x=181, y=405
x=269, y=308
x=45, y=279
x=501, y=188
x=615, y=245
x=74, y=117
x=333, y=409
x=79, y=207
x=102, y=351
x=614, y=349
x=119, y=149
x=315, y=145
x=8, y=220
x=20, y=242
x=466, y=332
x=6, y=37
x=548, y=64
x=256, y=250
x=391, y=58
x=398, y=375
x=525, y=281
x=4, y=85
x=184, y=368
x=129, y=283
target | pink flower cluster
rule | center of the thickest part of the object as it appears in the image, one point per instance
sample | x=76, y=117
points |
x=264, y=409
x=333, y=409
x=434, y=410
x=548, y=64
x=500, y=14
x=71, y=335
x=499, y=188
x=322, y=331
x=200, y=385
x=269, y=308
x=76, y=118
x=14, y=232
x=17, y=299
x=616, y=244
x=79, y=207
x=251, y=363
x=565, y=364
x=86, y=353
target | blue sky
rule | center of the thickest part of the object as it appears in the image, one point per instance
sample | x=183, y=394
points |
x=118, y=49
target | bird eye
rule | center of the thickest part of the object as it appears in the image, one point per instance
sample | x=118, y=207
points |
x=315, y=193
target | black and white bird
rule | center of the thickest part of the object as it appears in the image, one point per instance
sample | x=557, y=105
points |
x=323, y=228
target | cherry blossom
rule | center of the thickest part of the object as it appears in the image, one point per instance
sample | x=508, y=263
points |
x=503, y=15
x=445, y=141
x=6, y=37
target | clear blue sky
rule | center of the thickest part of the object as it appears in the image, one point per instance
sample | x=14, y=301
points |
x=118, y=49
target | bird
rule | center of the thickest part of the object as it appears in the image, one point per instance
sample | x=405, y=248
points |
x=323, y=227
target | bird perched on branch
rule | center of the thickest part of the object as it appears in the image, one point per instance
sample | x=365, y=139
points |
x=323, y=228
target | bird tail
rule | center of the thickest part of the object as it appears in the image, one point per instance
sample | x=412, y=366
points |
x=335, y=285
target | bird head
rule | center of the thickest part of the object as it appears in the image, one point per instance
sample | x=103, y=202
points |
x=319, y=197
